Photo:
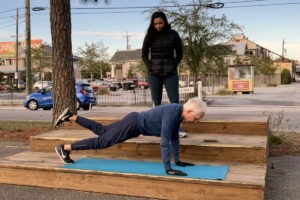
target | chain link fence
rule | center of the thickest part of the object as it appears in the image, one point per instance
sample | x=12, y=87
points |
x=119, y=97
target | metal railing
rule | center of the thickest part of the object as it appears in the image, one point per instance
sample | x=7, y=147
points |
x=119, y=97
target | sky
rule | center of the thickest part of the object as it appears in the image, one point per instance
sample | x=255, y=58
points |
x=267, y=25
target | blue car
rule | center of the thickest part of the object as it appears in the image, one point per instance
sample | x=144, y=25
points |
x=43, y=98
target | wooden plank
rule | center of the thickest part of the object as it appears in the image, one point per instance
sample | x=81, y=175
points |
x=224, y=127
x=235, y=148
x=126, y=185
x=227, y=127
x=244, y=181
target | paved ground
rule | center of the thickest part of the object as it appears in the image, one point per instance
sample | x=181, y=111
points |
x=283, y=182
x=282, y=102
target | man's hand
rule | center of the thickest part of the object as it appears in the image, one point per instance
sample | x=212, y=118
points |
x=176, y=172
x=183, y=164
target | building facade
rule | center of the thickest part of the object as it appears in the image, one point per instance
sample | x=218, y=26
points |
x=122, y=61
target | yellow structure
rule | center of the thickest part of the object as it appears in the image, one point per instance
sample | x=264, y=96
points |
x=283, y=65
x=241, y=78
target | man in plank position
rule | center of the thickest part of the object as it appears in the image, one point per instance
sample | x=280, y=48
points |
x=163, y=121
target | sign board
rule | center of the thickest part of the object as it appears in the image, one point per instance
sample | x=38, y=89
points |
x=9, y=48
x=240, y=85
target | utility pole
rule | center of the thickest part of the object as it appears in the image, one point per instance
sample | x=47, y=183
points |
x=282, y=57
x=127, y=40
x=28, y=47
x=17, y=49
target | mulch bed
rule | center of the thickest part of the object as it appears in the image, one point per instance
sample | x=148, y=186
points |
x=20, y=135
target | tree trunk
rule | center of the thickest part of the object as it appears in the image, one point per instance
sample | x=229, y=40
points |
x=62, y=66
x=195, y=85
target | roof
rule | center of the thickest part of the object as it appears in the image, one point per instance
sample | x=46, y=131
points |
x=240, y=48
x=127, y=55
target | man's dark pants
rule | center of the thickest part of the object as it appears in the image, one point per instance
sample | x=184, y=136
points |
x=108, y=135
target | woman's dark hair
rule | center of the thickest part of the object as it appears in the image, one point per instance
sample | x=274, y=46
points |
x=151, y=30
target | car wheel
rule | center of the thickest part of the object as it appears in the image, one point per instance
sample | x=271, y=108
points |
x=142, y=86
x=86, y=107
x=32, y=105
x=78, y=104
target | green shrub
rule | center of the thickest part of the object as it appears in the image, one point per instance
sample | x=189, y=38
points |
x=102, y=91
x=271, y=85
x=276, y=140
x=225, y=92
x=286, y=77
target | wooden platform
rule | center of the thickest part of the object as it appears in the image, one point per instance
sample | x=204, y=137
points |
x=241, y=145
x=226, y=147
x=244, y=181
x=216, y=126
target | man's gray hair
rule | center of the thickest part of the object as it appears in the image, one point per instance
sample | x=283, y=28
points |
x=196, y=105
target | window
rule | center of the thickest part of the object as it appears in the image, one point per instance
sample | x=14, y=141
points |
x=242, y=73
x=228, y=61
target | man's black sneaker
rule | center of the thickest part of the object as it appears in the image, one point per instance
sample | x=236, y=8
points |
x=63, y=117
x=63, y=154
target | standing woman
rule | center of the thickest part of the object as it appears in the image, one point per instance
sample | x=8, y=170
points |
x=165, y=47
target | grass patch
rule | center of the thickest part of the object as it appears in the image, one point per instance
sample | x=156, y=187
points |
x=284, y=144
x=225, y=92
x=275, y=140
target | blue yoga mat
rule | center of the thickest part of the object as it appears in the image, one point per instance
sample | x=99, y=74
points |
x=148, y=168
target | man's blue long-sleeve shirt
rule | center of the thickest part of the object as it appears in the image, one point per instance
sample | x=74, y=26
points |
x=163, y=121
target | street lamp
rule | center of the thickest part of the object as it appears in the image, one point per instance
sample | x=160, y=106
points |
x=38, y=8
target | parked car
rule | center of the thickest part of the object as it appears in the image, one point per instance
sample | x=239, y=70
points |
x=21, y=85
x=41, y=84
x=43, y=98
x=143, y=84
x=182, y=83
x=2, y=87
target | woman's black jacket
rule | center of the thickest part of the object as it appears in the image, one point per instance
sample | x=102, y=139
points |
x=162, y=61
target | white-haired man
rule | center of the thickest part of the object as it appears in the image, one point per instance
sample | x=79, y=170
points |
x=163, y=121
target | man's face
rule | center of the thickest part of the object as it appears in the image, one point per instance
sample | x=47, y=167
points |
x=190, y=116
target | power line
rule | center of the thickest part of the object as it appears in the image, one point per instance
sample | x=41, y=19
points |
x=7, y=22
x=10, y=10
x=23, y=15
x=7, y=10
x=211, y=5
x=11, y=25
x=262, y=5
x=11, y=20
x=116, y=12
x=175, y=6
x=247, y=1
x=85, y=13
